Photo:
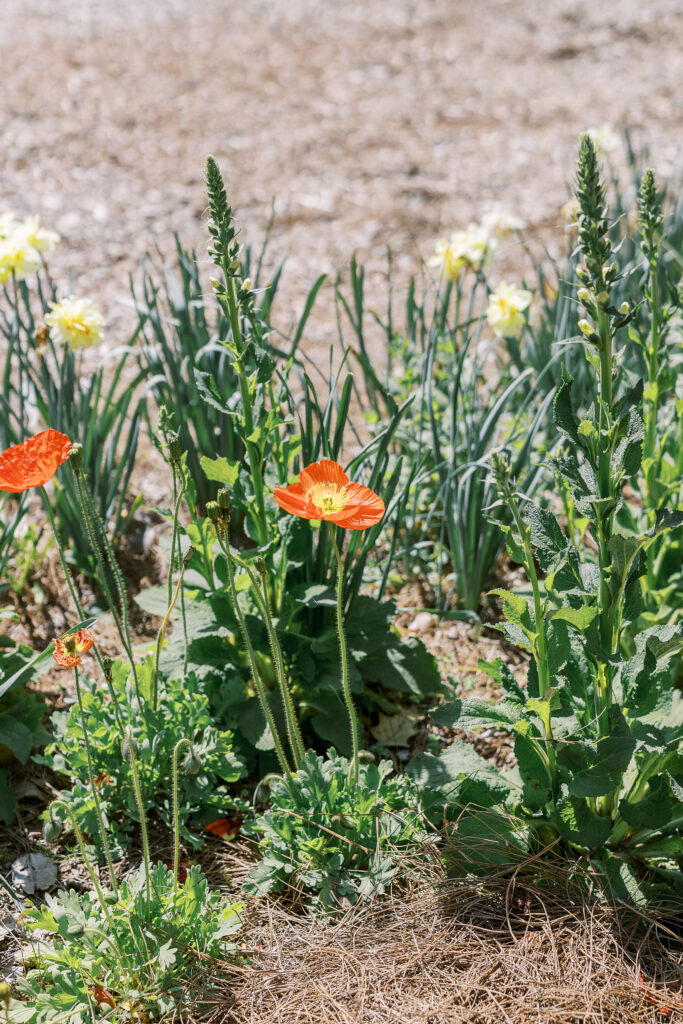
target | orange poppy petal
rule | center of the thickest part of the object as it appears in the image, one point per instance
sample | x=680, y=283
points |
x=292, y=499
x=33, y=462
x=365, y=509
x=324, y=472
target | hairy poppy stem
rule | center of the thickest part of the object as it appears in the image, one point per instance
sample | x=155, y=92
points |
x=258, y=682
x=176, y=813
x=131, y=757
x=353, y=720
x=77, y=604
x=91, y=779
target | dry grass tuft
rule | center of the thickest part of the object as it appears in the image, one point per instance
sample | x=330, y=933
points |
x=457, y=951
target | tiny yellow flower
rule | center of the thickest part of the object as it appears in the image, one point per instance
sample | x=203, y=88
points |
x=469, y=249
x=38, y=238
x=499, y=223
x=506, y=309
x=77, y=322
x=16, y=258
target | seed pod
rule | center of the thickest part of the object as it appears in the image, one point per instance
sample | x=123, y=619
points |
x=224, y=501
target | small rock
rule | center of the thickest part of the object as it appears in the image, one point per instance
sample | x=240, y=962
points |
x=33, y=872
x=422, y=622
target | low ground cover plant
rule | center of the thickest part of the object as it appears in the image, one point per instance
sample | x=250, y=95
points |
x=275, y=647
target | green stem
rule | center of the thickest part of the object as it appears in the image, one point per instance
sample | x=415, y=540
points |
x=353, y=721
x=92, y=522
x=176, y=814
x=86, y=860
x=132, y=760
x=293, y=731
x=91, y=779
x=651, y=498
x=604, y=524
x=164, y=625
x=255, y=675
x=77, y=604
x=253, y=454
x=539, y=650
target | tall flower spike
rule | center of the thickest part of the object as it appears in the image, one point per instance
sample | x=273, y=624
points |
x=324, y=492
x=33, y=462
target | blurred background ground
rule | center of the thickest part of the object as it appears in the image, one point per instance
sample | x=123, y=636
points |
x=369, y=123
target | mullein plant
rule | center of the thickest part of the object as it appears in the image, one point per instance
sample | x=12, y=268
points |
x=598, y=728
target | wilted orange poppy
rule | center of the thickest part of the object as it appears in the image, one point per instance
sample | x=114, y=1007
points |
x=225, y=828
x=324, y=491
x=100, y=995
x=68, y=649
x=33, y=462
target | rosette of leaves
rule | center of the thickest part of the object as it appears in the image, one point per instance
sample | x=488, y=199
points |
x=182, y=712
x=330, y=842
x=598, y=728
x=136, y=957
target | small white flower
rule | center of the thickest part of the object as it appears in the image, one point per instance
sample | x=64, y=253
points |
x=17, y=258
x=469, y=249
x=38, y=238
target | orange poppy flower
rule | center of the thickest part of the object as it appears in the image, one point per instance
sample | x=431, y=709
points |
x=324, y=491
x=68, y=649
x=33, y=462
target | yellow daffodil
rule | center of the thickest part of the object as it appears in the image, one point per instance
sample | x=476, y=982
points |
x=506, y=309
x=38, y=238
x=17, y=258
x=469, y=249
x=77, y=322
x=499, y=223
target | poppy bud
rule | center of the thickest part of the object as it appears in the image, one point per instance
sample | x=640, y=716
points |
x=366, y=757
x=223, y=498
x=76, y=457
x=345, y=820
x=192, y=763
x=129, y=747
x=213, y=511
x=52, y=830
x=260, y=565
x=188, y=556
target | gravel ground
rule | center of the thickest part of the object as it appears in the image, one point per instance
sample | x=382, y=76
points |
x=386, y=121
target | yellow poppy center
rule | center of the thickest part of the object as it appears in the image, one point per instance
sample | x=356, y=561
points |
x=329, y=498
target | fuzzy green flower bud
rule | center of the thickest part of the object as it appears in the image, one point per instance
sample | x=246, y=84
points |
x=366, y=757
x=129, y=747
x=5, y=993
x=223, y=498
x=345, y=820
x=175, y=449
x=582, y=274
x=213, y=511
x=500, y=467
x=76, y=457
x=192, y=763
x=52, y=830
x=583, y=295
x=215, y=284
x=260, y=565
x=603, y=298
x=625, y=308
x=107, y=667
x=586, y=329
x=246, y=284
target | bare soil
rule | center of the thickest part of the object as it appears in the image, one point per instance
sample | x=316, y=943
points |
x=370, y=124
